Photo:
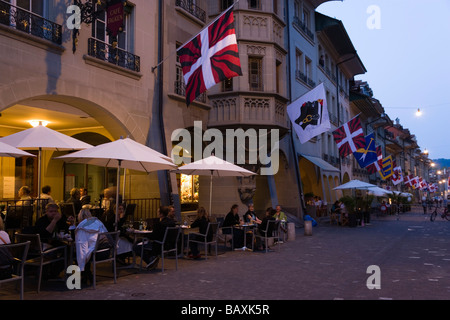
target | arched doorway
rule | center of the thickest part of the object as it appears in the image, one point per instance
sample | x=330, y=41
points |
x=72, y=116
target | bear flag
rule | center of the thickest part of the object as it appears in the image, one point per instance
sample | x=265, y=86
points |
x=309, y=114
x=210, y=57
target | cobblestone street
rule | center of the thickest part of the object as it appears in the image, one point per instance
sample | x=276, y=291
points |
x=412, y=253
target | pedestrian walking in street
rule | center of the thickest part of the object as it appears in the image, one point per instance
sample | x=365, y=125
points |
x=424, y=204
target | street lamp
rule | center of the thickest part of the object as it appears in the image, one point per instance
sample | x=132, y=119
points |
x=418, y=112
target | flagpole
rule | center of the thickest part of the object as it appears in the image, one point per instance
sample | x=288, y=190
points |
x=162, y=61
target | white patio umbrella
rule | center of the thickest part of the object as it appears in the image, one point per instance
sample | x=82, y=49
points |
x=355, y=184
x=214, y=167
x=43, y=138
x=379, y=192
x=122, y=153
x=402, y=194
x=9, y=151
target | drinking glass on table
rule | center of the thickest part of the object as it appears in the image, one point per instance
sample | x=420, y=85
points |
x=144, y=225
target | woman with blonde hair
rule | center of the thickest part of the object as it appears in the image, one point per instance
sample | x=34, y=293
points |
x=86, y=235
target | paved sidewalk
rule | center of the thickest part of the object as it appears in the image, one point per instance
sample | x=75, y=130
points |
x=412, y=253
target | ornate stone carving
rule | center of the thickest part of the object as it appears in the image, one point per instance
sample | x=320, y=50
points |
x=247, y=185
x=256, y=50
x=256, y=109
x=255, y=26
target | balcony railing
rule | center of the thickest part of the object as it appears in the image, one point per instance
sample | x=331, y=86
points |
x=28, y=22
x=192, y=8
x=302, y=26
x=180, y=89
x=112, y=54
x=303, y=77
x=246, y=111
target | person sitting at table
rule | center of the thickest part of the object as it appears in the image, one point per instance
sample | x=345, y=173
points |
x=45, y=195
x=6, y=258
x=24, y=196
x=84, y=197
x=250, y=216
x=232, y=219
x=108, y=218
x=48, y=226
x=51, y=223
x=280, y=215
x=171, y=214
x=201, y=222
x=4, y=236
x=75, y=199
x=270, y=213
x=125, y=245
x=153, y=250
x=86, y=235
x=109, y=198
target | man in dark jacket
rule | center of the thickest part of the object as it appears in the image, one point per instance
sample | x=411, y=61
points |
x=152, y=250
x=50, y=224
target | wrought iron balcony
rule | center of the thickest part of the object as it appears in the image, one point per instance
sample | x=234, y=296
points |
x=28, y=22
x=302, y=26
x=303, y=77
x=112, y=54
x=192, y=8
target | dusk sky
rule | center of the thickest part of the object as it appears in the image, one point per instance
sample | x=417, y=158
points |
x=406, y=51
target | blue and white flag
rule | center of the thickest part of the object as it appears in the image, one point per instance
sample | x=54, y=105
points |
x=367, y=155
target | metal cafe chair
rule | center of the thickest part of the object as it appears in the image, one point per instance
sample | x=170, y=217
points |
x=105, y=254
x=38, y=257
x=19, y=253
x=168, y=244
x=203, y=238
x=68, y=209
x=17, y=218
x=271, y=228
x=228, y=231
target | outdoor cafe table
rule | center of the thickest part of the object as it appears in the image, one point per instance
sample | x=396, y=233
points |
x=245, y=227
x=142, y=234
x=186, y=230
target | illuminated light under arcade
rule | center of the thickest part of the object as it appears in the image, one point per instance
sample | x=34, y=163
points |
x=35, y=123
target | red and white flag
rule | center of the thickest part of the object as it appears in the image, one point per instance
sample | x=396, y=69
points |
x=416, y=183
x=422, y=184
x=409, y=180
x=349, y=137
x=397, y=177
x=210, y=57
x=432, y=187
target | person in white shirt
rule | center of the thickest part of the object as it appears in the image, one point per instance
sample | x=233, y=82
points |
x=45, y=195
x=4, y=237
